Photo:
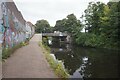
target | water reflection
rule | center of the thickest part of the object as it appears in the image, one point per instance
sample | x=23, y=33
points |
x=84, y=62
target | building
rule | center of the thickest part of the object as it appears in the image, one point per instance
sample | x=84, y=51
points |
x=30, y=29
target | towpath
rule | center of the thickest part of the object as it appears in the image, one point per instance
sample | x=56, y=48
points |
x=28, y=62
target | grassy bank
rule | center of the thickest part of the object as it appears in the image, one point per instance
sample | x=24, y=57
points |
x=6, y=52
x=57, y=66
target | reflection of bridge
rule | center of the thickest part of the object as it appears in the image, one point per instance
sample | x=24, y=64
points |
x=58, y=50
x=55, y=34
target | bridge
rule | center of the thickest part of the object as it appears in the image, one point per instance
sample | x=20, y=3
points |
x=55, y=34
x=63, y=37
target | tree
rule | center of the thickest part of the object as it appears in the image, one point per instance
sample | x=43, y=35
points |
x=114, y=32
x=69, y=24
x=42, y=26
x=103, y=24
x=93, y=16
x=60, y=25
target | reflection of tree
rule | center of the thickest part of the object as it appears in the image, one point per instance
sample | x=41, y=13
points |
x=71, y=64
x=101, y=63
x=104, y=63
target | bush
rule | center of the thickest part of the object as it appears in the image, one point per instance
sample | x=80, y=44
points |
x=45, y=41
x=87, y=39
x=93, y=40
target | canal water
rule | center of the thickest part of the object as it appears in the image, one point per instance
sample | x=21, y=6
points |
x=85, y=62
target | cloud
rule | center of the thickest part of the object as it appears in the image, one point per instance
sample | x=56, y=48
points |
x=51, y=10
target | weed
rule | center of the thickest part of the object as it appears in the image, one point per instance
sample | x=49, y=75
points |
x=57, y=66
x=6, y=52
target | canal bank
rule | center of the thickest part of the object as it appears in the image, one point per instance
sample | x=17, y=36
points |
x=56, y=65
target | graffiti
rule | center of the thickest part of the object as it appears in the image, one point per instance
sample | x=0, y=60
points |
x=1, y=34
x=12, y=25
x=1, y=28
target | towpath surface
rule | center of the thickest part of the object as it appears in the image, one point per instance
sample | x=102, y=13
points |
x=28, y=62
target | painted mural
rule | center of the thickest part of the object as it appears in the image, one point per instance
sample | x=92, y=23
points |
x=1, y=34
x=1, y=27
x=12, y=30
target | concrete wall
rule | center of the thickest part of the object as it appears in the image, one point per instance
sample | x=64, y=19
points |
x=12, y=25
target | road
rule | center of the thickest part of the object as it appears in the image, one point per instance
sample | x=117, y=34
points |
x=28, y=62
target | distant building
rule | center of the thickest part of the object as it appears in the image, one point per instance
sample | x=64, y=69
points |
x=30, y=29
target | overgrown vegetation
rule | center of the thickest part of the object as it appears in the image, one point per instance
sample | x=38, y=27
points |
x=45, y=41
x=57, y=66
x=6, y=52
x=101, y=23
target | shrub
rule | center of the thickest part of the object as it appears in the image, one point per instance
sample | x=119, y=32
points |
x=87, y=39
x=45, y=41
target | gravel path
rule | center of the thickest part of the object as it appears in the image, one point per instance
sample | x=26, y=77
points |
x=28, y=62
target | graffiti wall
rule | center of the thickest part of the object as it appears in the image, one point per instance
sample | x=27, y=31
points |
x=30, y=29
x=12, y=25
x=1, y=26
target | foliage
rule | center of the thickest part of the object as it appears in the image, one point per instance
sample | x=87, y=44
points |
x=93, y=15
x=6, y=52
x=42, y=26
x=87, y=39
x=59, y=26
x=45, y=40
x=69, y=24
x=57, y=67
x=102, y=23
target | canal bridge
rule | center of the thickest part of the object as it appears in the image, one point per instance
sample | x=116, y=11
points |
x=63, y=37
x=55, y=34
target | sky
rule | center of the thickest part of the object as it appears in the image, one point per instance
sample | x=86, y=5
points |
x=51, y=10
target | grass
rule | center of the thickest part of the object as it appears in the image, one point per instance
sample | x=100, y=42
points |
x=56, y=66
x=6, y=52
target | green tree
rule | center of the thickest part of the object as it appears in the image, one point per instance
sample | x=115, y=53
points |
x=102, y=22
x=60, y=25
x=114, y=30
x=42, y=26
x=69, y=24
x=92, y=16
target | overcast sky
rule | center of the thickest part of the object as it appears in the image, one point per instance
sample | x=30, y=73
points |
x=51, y=10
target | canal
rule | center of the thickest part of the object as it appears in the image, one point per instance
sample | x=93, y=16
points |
x=86, y=62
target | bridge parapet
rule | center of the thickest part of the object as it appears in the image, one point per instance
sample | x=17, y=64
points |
x=55, y=34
